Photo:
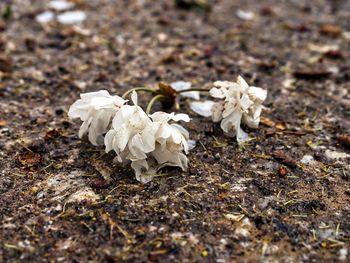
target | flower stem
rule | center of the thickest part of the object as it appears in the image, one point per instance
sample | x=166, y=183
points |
x=138, y=89
x=152, y=101
x=187, y=90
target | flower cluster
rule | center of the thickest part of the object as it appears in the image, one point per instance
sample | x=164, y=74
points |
x=96, y=110
x=149, y=142
x=240, y=103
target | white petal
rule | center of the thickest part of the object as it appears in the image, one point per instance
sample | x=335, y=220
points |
x=241, y=136
x=148, y=137
x=109, y=138
x=79, y=109
x=71, y=17
x=176, y=136
x=84, y=127
x=122, y=137
x=180, y=85
x=161, y=116
x=256, y=93
x=174, y=159
x=138, y=166
x=181, y=129
x=164, y=131
x=245, y=102
x=242, y=82
x=191, y=144
x=203, y=108
x=60, y=5
x=245, y=15
x=231, y=123
x=217, y=110
x=94, y=94
x=136, y=148
x=143, y=172
x=45, y=17
x=162, y=156
x=119, y=101
x=218, y=93
x=223, y=84
x=191, y=94
x=181, y=117
x=122, y=115
x=252, y=118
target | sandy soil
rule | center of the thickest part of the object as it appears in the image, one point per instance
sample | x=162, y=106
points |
x=283, y=197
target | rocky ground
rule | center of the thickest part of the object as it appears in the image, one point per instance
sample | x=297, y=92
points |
x=282, y=197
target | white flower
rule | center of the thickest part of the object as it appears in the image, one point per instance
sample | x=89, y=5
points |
x=170, y=148
x=148, y=142
x=171, y=139
x=126, y=137
x=96, y=110
x=241, y=103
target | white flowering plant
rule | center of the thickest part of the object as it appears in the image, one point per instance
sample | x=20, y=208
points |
x=150, y=142
x=238, y=103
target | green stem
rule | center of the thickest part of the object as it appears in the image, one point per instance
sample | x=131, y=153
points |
x=138, y=89
x=153, y=100
x=187, y=90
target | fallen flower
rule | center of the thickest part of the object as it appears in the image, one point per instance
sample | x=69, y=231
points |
x=129, y=137
x=241, y=103
x=171, y=139
x=96, y=110
x=148, y=142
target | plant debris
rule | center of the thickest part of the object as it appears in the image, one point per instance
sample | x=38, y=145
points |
x=284, y=158
x=344, y=140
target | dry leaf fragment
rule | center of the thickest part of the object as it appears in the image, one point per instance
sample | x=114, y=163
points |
x=29, y=159
x=284, y=158
x=282, y=171
x=3, y=123
x=344, y=140
x=267, y=122
x=311, y=73
x=329, y=29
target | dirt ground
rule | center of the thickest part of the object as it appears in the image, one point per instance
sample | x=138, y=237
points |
x=282, y=197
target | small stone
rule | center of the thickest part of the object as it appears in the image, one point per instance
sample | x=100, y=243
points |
x=307, y=160
x=336, y=155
